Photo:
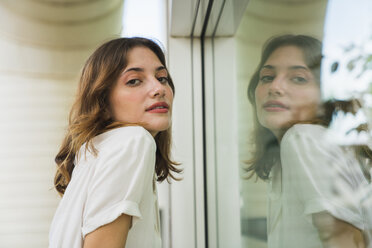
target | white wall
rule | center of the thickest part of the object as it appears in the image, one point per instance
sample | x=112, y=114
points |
x=43, y=45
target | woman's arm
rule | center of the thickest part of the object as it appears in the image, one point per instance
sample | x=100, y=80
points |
x=334, y=232
x=113, y=235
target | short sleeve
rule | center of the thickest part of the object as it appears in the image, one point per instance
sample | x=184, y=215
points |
x=314, y=168
x=124, y=170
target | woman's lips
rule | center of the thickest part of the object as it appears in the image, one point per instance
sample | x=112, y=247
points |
x=159, y=107
x=274, y=106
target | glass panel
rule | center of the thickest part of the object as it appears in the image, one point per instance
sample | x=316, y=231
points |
x=262, y=20
x=291, y=208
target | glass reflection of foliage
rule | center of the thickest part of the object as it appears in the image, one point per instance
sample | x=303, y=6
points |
x=357, y=60
x=359, y=63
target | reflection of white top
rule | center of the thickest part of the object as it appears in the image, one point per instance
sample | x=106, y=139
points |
x=316, y=175
x=120, y=179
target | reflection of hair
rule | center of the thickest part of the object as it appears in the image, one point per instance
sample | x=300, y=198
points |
x=266, y=152
x=90, y=115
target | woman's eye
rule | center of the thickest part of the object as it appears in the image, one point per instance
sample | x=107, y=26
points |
x=299, y=80
x=163, y=80
x=133, y=82
x=266, y=79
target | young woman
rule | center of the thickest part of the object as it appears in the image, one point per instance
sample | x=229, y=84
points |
x=312, y=181
x=116, y=147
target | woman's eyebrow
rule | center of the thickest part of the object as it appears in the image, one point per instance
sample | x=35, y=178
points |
x=133, y=69
x=267, y=67
x=138, y=69
x=296, y=67
x=161, y=68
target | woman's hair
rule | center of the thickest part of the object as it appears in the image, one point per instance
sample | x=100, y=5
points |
x=266, y=152
x=90, y=115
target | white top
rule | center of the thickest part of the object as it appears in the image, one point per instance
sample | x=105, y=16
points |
x=315, y=175
x=120, y=179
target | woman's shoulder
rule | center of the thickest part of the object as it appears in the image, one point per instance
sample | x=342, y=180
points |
x=306, y=131
x=118, y=139
x=313, y=140
x=124, y=136
x=310, y=138
x=125, y=133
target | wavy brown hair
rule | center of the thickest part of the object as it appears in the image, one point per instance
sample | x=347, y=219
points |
x=266, y=151
x=90, y=114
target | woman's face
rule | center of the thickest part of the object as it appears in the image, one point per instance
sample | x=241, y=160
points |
x=142, y=94
x=287, y=92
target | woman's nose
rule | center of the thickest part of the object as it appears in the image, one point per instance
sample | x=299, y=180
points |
x=277, y=86
x=158, y=89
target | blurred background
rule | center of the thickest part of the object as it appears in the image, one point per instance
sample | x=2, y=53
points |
x=212, y=46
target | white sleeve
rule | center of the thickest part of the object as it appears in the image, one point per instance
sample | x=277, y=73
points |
x=314, y=169
x=124, y=170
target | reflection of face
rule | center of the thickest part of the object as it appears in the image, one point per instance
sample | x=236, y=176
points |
x=142, y=94
x=287, y=91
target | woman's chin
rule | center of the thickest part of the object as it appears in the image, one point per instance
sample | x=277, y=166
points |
x=159, y=127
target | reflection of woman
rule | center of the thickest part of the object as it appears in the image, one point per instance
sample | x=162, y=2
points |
x=311, y=179
x=117, y=145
